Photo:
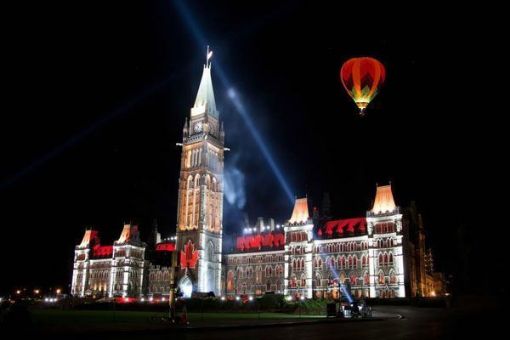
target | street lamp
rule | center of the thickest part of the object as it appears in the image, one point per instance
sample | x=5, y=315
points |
x=58, y=291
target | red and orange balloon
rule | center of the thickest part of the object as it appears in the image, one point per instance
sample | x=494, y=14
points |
x=361, y=78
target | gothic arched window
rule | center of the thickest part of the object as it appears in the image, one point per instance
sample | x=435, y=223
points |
x=393, y=277
x=381, y=277
x=366, y=279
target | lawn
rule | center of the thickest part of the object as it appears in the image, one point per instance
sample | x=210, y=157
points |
x=76, y=320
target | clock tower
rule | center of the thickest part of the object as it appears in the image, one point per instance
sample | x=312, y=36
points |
x=200, y=197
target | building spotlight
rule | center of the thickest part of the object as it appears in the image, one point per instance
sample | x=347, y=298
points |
x=142, y=299
x=222, y=298
x=250, y=298
x=238, y=298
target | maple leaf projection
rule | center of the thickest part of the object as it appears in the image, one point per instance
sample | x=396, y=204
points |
x=189, y=256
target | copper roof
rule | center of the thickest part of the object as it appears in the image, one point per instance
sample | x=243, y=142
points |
x=129, y=233
x=300, y=213
x=384, y=201
x=90, y=236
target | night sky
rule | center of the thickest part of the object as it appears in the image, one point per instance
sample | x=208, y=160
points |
x=95, y=97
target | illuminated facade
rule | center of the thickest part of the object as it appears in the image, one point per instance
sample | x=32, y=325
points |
x=367, y=253
x=379, y=255
x=200, y=198
x=115, y=270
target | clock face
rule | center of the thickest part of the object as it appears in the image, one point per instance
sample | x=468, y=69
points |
x=198, y=127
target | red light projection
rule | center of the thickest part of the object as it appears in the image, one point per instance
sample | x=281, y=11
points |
x=255, y=242
x=189, y=256
x=102, y=251
x=344, y=227
x=165, y=247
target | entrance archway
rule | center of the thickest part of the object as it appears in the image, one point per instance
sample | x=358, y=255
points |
x=186, y=287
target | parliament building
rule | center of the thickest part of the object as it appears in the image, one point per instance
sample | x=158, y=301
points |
x=381, y=254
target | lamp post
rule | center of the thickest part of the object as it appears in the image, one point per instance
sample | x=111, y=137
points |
x=171, y=297
x=301, y=299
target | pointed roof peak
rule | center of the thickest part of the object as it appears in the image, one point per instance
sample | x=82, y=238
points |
x=384, y=201
x=205, y=102
x=90, y=237
x=130, y=234
x=300, y=213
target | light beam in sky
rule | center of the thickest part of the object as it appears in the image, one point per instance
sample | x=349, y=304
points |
x=196, y=31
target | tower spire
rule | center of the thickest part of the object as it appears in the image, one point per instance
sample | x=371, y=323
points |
x=205, y=102
x=208, y=57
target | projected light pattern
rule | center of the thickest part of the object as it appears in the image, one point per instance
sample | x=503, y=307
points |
x=196, y=31
x=346, y=293
x=234, y=187
x=96, y=125
x=343, y=287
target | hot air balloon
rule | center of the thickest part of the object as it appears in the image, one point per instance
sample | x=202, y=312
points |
x=361, y=78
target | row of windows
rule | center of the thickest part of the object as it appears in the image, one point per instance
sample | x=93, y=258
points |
x=159, y=276
x=194, y=158
x=355, y=279
x=341, y=247
x=385, y=259
x=298, y=264
x=386, y=242
x=297, y=250
x=100, y=288
x=104, y=274
x=386, y=293
x=256, y=259
x=210, y=182
x=383, y=228
x=391, y=278
x=298, y=236
x=277, y=271
x=243, y=288
x=341, y=262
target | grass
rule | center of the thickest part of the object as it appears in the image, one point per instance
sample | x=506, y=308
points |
x=94, y=320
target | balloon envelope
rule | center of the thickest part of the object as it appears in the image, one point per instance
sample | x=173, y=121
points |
x=361, y=78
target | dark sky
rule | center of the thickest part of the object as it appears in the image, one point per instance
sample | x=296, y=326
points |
x=96, y=96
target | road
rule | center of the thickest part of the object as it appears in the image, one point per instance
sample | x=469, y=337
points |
x=417, y=323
